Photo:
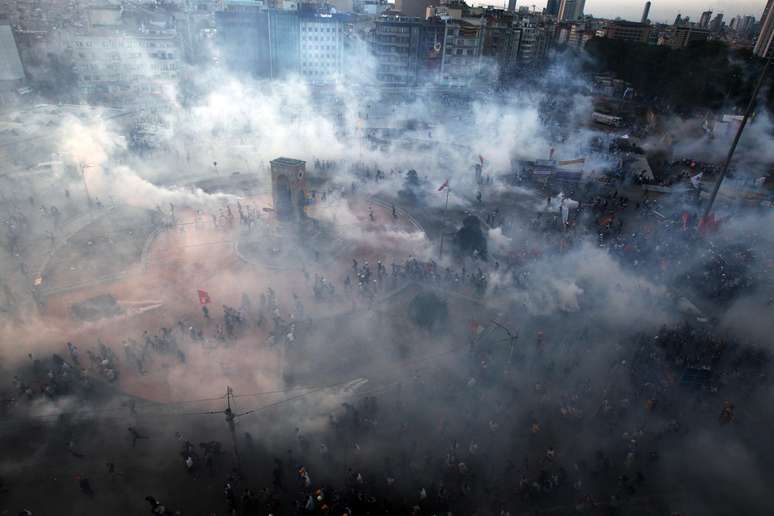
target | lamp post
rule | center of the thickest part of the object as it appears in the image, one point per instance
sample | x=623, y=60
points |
x=84, y=166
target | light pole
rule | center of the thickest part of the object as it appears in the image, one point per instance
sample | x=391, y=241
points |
x=445, y=211
x=84, y=166
x=512, y=339
x=747, y=113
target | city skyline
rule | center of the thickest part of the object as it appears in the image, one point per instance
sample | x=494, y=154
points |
x=667, y=10
x=660, y=11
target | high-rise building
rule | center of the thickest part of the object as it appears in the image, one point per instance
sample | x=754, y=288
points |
x=461, y=58
x=645, y=12
x=705, y=18
x=274, y=43
x=552, y=7
x=763, y=45
x=717, y=23
x=571, y=10
x=532, y=43
x=679, y=19
x=498, y=40
x=113, y=59
x=746, y=25
x=321, y=47
x=579, y=35
x=283, y=28
x=243, y=41
x=395, y=44
x=512, y=5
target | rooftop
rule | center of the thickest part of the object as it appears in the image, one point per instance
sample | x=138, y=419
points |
x=288, y=162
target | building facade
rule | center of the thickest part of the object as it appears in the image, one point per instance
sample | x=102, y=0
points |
x=274, y=43
x=118, y=64
x=461, y=59
x=321, y=48
x=571, y=10
x=395, y=43
x=628, y=31
x=243, y=41
x=717, y=23
x=532, y=43
x=552, y=7
x=284, y=42
x=704, y=19
x=686, y=35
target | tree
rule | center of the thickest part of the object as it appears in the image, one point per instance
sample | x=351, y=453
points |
x=705, y=75
x=411, y=191
x=470, y=239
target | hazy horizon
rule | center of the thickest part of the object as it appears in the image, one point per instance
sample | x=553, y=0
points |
x=660, y=10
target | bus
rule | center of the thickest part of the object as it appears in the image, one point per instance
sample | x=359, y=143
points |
x=612, y=121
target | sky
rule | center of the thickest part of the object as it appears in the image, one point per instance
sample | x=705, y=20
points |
x=667, y=10
x=660, y=10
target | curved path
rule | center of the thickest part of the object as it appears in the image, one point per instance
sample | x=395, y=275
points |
x=159, y=289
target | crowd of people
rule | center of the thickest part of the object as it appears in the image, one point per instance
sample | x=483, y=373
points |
x=500, y=425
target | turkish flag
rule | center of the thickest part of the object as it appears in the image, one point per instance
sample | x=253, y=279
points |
x=204, y=297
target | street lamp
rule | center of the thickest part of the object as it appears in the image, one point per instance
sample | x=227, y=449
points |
x=84, y=166
x=746, y=117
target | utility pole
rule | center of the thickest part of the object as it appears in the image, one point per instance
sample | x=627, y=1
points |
x=230, y=417
x=445, y=210
x=512, y=338
x=84, y=166
x=747, y=114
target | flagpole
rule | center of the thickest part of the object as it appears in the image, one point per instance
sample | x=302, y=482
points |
x=746, y=117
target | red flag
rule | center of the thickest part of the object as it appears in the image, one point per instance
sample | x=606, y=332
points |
x=204, y=297
x=444, y=185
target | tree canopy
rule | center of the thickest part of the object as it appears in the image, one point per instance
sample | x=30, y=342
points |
x=705, y=75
